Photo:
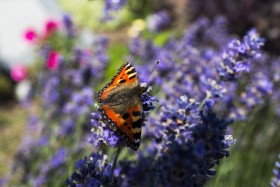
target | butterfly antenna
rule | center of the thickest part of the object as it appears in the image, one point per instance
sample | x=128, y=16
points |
x=152, y=70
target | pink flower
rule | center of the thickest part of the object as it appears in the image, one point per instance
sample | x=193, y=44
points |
x=53, y=60
x=51, y=26
x=30, y=35
x=18, y=72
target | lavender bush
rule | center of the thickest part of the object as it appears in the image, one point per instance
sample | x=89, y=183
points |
x=202, y=94
x=206, y=80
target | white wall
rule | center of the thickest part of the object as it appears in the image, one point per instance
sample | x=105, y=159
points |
x=15, y=17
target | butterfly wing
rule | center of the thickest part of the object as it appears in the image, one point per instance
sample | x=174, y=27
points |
x=125, y=117
x=126, y=74
x=129, y=123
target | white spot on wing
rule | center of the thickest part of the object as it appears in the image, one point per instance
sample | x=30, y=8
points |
x=131, y=75
x=129, y=69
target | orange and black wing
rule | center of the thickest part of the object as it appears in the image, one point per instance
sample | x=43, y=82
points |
x=128, y=124
x=126, y=74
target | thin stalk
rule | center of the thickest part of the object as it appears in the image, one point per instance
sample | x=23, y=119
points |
x=203, y=102
x=116, y=159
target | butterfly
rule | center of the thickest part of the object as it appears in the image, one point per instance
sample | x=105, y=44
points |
x=121, y=106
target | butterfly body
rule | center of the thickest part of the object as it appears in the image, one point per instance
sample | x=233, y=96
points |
x=123, y=97
x=121, y=106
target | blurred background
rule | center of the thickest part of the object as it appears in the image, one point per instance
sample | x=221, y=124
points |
x=103, y=29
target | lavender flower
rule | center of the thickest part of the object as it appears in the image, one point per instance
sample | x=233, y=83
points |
x=148, y=102
x=53, y=163
x=237, y=57
x=206, y=34
x=80, y=102
x=3, y=182
x=92, y=171
x=102, y=133
x=39, y=181
x=112, y=6
x=158, y=21
x=68, y=24
x=145, y=49
x=276, y=179
x=260, y=87
x=58, y=158
x=142, y=171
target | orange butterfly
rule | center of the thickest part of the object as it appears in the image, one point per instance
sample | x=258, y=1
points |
x=121, y=106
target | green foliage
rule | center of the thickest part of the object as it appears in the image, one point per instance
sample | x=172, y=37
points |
x=12, y=121
x=61, y=43
x=253, y=156
x=90, y=13
x=6, y=89
x=117, y=53
x=161, y=38
x=140, y=9
x=4, y=121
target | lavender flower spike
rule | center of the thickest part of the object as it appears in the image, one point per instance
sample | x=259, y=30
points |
x=276, y=171
x=101, y=133
x=158, y=21
x=91, y=171
x=238, y=55
x=112, y=6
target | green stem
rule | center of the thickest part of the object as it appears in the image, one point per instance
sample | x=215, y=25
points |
x=203, y=102
x=116, y=159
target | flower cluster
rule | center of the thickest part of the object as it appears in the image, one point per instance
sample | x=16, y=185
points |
x=237, y=57
x=185, y=156
x=92, y=171
x=216, y=71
